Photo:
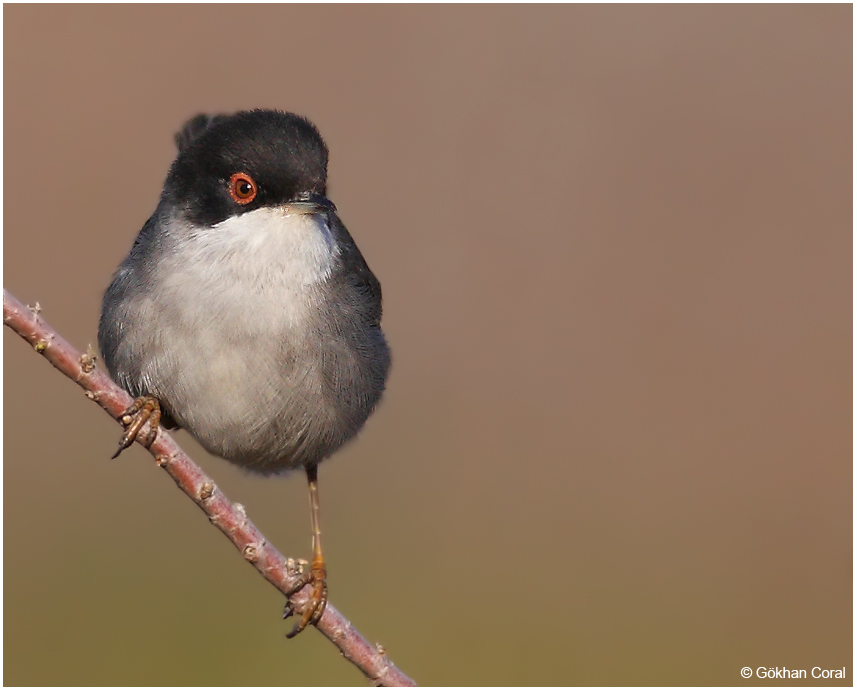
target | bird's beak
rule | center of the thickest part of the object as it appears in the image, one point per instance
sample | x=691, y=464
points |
x=310, y=204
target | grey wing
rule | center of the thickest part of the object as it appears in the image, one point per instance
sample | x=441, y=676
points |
x=357, y=273
x=118, y=312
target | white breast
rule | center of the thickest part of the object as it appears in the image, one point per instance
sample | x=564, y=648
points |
x=257, y=270
x=226, y=303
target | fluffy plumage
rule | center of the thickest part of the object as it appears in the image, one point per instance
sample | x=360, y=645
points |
x=257, y=326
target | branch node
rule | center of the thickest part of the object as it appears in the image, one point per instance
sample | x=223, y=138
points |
x=206, y=491
x=162, y=460
x=87, y=362
x=378, y=680
x=41, y=345
x=250, y=552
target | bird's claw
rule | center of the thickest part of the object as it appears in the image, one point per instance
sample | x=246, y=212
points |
x=143, y=409
x=313, y=609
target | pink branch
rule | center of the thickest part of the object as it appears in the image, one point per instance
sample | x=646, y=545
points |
x=282, y=573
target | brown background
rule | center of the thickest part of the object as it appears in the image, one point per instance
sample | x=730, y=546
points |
x=615, y=244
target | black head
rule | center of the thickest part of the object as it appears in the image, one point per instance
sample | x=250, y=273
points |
x=231, y=164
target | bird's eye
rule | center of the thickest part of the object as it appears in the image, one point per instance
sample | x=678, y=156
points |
x=242, y=188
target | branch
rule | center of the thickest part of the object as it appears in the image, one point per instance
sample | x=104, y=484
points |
x=282, y=573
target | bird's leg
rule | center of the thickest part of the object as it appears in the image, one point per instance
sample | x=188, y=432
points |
x=318, y=573
x=143, y=409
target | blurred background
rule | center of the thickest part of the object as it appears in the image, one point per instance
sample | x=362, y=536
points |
x=615, y=246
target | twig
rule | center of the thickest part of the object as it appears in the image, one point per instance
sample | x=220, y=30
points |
x=282, y=573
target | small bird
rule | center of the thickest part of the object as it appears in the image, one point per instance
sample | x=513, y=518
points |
x=244, y=313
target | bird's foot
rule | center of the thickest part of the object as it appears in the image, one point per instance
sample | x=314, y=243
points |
x=313, y=609
x=142, y=410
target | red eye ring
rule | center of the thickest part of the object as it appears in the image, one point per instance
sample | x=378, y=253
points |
x=242, y=188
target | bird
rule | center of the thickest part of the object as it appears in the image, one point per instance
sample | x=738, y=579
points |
x=244, y=312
